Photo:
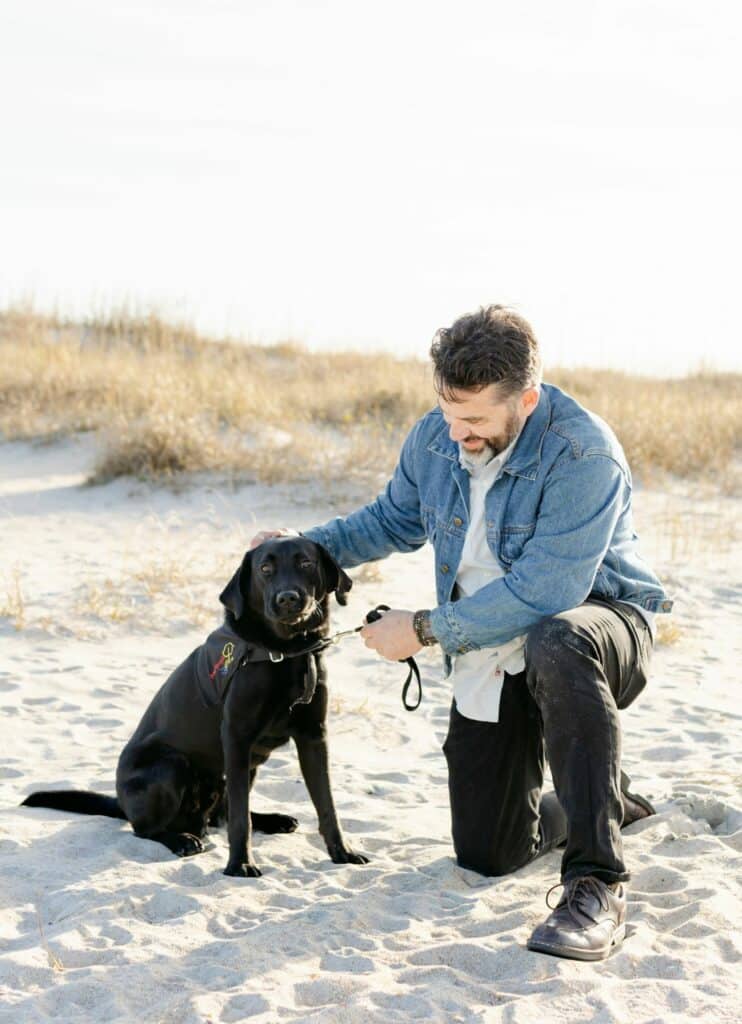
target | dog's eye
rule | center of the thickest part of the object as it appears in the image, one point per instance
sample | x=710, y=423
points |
x=266, y=568
x=306, y=564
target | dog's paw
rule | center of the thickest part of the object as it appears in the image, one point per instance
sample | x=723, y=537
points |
x=345, y=855
x=187, y=845
x=272, y=824
x=242, y=871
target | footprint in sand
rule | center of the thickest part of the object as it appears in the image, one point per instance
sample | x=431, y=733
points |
x=348, y=964
x=242, y=1007
x=325, y=991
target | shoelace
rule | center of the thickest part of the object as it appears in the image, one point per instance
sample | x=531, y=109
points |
x=586, y=885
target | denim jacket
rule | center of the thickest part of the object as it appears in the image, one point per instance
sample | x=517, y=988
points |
x=558, y=520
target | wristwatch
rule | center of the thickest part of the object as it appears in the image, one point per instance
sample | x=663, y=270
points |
x=421, y=625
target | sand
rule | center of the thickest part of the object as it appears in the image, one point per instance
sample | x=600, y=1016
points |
x=118, y=583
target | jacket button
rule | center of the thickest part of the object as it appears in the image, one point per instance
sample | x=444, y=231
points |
x=457, y=521
x=462, y=650
x=444, y=568
x=666, y=606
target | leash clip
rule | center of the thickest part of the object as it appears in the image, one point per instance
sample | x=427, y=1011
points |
x=275, y=658
x=341, y=636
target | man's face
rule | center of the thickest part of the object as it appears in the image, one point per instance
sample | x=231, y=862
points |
x=484, y=423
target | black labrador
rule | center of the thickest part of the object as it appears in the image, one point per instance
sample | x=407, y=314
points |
x=255, y=683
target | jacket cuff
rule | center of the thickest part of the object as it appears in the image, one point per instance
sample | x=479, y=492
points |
x=447, y=630
x=320, y=536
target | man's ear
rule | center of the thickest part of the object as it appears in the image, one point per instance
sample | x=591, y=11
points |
x=232, y=597
x=335, y=578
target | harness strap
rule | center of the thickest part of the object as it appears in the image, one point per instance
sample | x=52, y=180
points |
x=256, y=652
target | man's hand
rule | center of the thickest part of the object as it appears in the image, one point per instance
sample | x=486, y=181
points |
x=283, y=531
x=392, y=636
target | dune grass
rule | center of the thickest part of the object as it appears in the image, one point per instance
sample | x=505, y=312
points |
x=166, y=401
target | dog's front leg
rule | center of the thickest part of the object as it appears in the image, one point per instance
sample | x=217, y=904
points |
x=237, y=753
x=314, y=763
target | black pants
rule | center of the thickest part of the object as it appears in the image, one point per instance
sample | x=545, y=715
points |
x=581, y=667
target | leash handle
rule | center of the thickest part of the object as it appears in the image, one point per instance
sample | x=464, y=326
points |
x=414, y=670
x=373, y=616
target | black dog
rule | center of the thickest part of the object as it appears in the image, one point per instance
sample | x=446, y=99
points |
x=254, y=683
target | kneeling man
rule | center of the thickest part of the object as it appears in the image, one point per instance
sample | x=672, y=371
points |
x=545, y=615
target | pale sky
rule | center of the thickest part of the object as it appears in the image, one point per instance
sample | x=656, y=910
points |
x=359, y=175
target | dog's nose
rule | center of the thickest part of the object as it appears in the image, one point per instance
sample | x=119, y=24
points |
x=288, y=601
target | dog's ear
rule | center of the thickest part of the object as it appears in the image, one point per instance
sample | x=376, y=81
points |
x=336, y=579
x=232, y=597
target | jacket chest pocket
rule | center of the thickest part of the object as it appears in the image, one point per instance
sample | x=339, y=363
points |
x=512, y=541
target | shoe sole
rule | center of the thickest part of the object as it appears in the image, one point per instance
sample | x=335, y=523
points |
x=572, y=953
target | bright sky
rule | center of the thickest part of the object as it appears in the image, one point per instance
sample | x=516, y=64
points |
x=359, y=175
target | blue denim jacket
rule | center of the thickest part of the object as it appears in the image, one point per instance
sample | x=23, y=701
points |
x=558, y=519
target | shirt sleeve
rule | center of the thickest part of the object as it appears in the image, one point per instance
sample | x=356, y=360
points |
x=580, y=507
x=390, y=523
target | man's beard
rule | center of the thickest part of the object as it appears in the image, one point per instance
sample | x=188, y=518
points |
x=493, y=446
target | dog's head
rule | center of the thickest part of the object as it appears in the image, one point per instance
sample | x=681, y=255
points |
x=284, y=582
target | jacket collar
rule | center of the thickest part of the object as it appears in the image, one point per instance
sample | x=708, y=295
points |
x=526, y=456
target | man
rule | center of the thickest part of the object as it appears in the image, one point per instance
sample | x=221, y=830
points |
x=545, y=615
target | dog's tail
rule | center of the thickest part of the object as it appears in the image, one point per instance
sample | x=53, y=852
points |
x=76, y=800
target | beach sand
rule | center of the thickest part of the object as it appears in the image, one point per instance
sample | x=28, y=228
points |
x=113, y=586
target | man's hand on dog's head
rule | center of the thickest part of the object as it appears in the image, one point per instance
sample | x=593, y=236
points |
x=393, y=635
x=282, y=531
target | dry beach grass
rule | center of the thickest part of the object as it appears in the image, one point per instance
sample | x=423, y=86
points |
x=166, y=400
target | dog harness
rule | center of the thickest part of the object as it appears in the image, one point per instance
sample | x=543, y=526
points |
x=223, y=653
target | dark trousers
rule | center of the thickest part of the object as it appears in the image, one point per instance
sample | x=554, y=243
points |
x=581, y=667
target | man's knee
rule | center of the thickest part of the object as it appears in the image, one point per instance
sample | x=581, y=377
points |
x=494, y=859
x=552, y=645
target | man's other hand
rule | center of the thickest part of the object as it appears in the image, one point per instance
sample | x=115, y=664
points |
x=392, y=636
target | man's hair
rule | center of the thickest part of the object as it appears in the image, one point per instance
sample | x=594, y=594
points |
x=492, y=346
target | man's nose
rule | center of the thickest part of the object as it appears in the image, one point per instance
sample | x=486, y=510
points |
x=457, y=430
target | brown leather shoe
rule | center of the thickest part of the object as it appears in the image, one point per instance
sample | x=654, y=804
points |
x=635, y=806
x=588, y=921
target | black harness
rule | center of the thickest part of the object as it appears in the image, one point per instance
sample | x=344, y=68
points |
x=224, y=653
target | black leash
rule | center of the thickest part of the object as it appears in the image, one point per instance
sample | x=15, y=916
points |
x=373, y=616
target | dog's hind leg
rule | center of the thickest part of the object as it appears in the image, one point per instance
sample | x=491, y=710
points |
x=270, y=824
x=154, y=798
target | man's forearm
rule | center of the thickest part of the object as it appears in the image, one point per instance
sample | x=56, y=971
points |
x=371, y=533
x=488, y=618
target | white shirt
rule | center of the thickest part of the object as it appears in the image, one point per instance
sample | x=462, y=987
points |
x=478, y=675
